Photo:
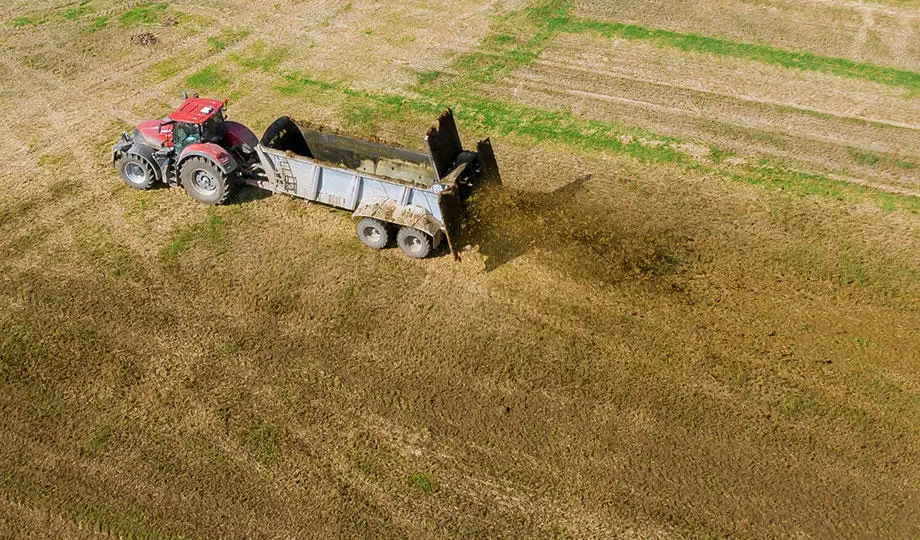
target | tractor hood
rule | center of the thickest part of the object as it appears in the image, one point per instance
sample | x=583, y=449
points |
x=155, y=132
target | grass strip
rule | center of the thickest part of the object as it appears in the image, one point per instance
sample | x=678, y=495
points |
x=841, y=67
x=502, y=53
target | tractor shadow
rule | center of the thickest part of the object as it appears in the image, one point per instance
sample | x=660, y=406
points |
x=246, y=193
x=578, y=235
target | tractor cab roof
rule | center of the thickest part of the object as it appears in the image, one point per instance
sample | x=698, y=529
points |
x=196, y=110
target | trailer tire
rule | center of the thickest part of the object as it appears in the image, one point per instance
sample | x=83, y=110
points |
x=413, y=242
x=136, y=171
x=373, y=233
x=204, y=181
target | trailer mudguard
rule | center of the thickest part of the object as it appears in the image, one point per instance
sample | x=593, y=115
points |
x=224, y=161
x=390, y=211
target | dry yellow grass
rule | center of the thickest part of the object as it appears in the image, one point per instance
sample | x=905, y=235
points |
x=635, y=349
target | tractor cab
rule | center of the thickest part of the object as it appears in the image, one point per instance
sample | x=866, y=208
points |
x=198, y=120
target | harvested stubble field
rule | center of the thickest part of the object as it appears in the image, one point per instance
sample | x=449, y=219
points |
x=692, y=310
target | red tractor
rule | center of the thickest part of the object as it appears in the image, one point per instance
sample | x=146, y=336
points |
x=193, y=146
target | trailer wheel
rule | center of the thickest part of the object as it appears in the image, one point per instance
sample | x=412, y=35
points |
x=414, y=242
x=204, y=181
x=373, y=233
x=136, y=171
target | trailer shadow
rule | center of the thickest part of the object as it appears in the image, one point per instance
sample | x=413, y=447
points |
x=580, y=236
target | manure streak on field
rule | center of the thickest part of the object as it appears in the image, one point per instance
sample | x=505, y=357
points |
x=575, y=235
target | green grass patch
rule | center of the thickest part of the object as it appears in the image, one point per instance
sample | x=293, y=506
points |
x=497, y=55
x=73, y=13
x=359, y=118
x=297, y=83
x=495, y=116
x=801, y=183
x=424, y=482
x=210, y=233
x=865, y=158
x=502, y=52
x=427, y=77
x=227, y=37
x=207, y=79
x=169, y=67
x=148, y=13
x=97, y=24
x=870, y=159
x=17, y=22
x=262, y=57
x=264, y=440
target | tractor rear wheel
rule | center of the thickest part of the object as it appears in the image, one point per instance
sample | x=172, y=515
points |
x=136, y=171
x=204, y=181
x=413, y=242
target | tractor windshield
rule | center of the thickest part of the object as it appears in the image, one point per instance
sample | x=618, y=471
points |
x=185, y=134
x=212, y=129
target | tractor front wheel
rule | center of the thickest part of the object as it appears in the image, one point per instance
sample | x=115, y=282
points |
x=136, y=171
x=204, y=181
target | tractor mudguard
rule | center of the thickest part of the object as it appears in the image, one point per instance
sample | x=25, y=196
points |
x=120, y=148
x=238, y=135
x=224, y=161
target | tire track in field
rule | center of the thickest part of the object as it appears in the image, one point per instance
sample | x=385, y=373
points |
x=732, y=106
x=804, y=121
x=743, y=139
x=858, y=31
x=841, y=96
x=587, y=69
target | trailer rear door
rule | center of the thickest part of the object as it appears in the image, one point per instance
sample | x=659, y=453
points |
x=443, y=144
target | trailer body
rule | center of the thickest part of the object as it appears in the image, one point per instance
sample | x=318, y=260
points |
x=395, y=186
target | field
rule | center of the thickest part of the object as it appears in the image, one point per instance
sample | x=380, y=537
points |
x=692, y=311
